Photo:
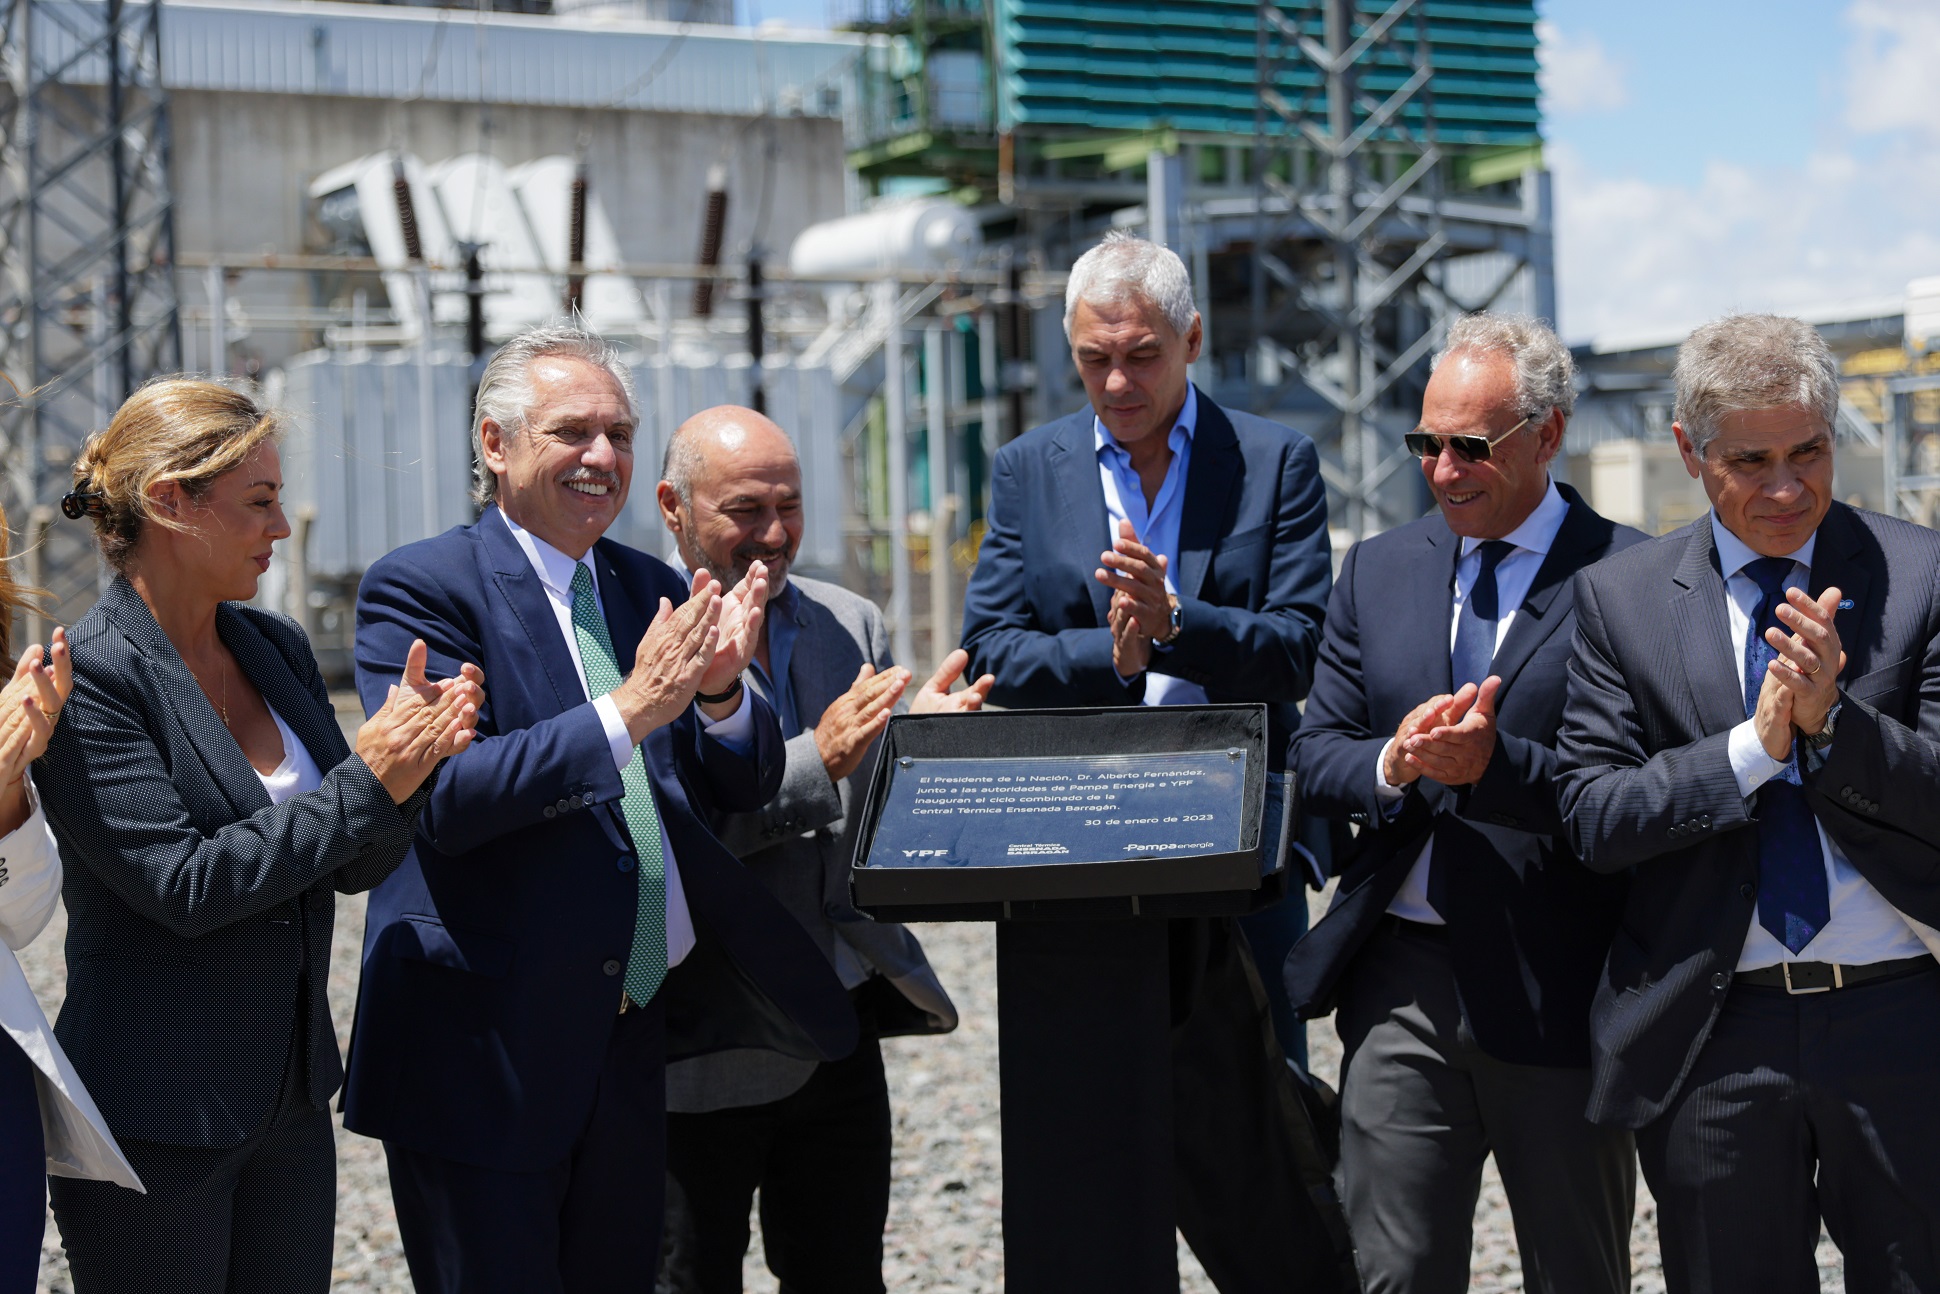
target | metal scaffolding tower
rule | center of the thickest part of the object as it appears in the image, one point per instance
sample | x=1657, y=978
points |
x=1356, y=229
x=87, y=250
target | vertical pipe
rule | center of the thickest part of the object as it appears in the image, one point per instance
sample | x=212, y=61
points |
x=102, y=329
x=1014, y=341
x=665, y=409
x=936, y=415
x=297, y=553
x=218, y=321
x=1538, y=203
x=123, y=350
x=896, y=414
x=1340, y=183
x=757, y=337
x=40, y=520
x=427, y=411
x=1891, y=435
x=993, y=432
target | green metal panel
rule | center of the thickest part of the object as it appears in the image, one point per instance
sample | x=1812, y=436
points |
x=1189, y=65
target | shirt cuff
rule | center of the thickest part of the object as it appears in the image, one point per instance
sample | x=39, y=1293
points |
x=618, y=739
x=1385, y=791
x=736, y=732
x=1751, y=763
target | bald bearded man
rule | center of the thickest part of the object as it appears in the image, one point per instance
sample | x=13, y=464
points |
x=813, y=1138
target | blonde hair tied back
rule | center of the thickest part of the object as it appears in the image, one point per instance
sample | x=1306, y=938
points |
x=183, y=429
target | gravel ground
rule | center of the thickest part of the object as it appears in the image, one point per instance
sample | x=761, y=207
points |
x=944, y=1234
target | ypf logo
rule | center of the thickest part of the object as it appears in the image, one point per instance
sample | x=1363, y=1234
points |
x=926, y=853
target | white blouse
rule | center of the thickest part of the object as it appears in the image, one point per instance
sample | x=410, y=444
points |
x=297, y=773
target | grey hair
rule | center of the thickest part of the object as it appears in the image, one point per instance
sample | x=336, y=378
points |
x=506, y=394
x=1545, y=373
x=1752, y=361
x=1126, y=266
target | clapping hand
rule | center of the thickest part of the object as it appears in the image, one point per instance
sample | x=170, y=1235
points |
x=935, y=696
x=673, y=656
x=1456, y=750
x=1136, y=577
x=1808, y=665
x=29, y=705
x=420, y=723
x=742, y=610
x=856, y=718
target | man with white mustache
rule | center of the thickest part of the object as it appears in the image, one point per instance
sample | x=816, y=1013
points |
x=567, y=918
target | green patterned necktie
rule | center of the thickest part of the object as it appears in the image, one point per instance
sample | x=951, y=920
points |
x=646, y=965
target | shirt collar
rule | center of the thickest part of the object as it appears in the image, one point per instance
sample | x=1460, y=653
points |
x=1734, y=553
x=554, y=567
x=1187, y=422
x=1539, y=529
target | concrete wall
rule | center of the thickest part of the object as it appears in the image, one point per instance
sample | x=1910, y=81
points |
x=242, y=165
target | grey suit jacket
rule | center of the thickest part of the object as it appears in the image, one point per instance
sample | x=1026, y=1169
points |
x=1646, y=786
x=199, y=915
x=799, y=844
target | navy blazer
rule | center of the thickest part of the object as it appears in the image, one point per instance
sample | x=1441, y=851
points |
x=1646, y=782
x=492, y=957
x=1252, y=575
x=199, y=914
x=1528, y=926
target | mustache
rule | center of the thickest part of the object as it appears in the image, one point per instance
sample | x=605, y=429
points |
x=591, y=476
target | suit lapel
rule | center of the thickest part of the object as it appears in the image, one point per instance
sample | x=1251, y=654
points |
x=1073, y=462
x=1433, y=587
x=519, y=585
x=1547, y=603
x=267, y=668
x=1212, y=481
x=1839, y=561
x=1697, y=609
x=228, y=767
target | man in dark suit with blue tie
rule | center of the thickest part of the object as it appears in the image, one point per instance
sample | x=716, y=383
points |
x=1753, y=734
x=566, y=918
x=1465, y=940
x=1210, y=588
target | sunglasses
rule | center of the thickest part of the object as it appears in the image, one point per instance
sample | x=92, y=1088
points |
x=1470, y=449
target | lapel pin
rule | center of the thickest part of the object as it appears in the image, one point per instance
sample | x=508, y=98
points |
x=1845, y=604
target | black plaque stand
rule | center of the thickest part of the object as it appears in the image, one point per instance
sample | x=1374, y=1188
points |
x=1084, y=994
x=1084, y=1019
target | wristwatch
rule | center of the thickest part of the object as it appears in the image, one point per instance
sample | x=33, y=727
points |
x=1172, y=628
x=1823, y=737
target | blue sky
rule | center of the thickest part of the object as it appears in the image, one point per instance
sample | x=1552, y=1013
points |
x=1721, y=154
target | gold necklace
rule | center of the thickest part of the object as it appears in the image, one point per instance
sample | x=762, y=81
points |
x=222, y=705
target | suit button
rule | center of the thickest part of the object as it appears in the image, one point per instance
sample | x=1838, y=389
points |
x=626, y=863
x=1704, y=821
x=1720, y=980
x=565, y=806
x=1746, y=892
x=1846, y=792
x=1677, y=831
x=579, y=802
x=550, y=812
x=611, y=967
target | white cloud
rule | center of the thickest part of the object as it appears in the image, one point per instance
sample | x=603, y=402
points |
x=1577, y=75
x=1853, y=219
x=1893, y=67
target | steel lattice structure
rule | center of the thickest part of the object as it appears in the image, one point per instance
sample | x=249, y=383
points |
x=1354, y=229
x=87, y=248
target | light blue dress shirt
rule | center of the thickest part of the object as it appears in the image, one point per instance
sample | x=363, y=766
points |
x=1864, y=927
x=1157, y=527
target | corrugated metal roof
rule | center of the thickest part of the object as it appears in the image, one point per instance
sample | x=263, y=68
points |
x=392, y=52
x=1190, y=64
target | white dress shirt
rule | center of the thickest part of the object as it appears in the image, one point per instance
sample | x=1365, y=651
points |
x=1514, y=575
x=555, y=571
x=1157, y=527
x=1863, y=927
x=297, y=773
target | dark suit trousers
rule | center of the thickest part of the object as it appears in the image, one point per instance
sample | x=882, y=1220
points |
x=589, y=1224
x=1244, y=1161
x=820, y=1158
x=1422, y=1108
x=1797, y=1108
x=23, y=1170
x=257, y=1218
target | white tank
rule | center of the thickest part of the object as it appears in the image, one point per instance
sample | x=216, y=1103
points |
x=928, y=234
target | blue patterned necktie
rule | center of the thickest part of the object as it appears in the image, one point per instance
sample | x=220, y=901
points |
x=646, y=964
x=1792, y=899
x=1475, y=631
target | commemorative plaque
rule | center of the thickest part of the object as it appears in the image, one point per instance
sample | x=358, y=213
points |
x=1076, y=831
x=969, y=816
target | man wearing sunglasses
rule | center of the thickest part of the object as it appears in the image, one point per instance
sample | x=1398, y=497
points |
x=1753, y=735
x=1464, y=941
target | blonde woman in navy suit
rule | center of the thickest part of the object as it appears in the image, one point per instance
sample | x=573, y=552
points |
x=208, y=810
